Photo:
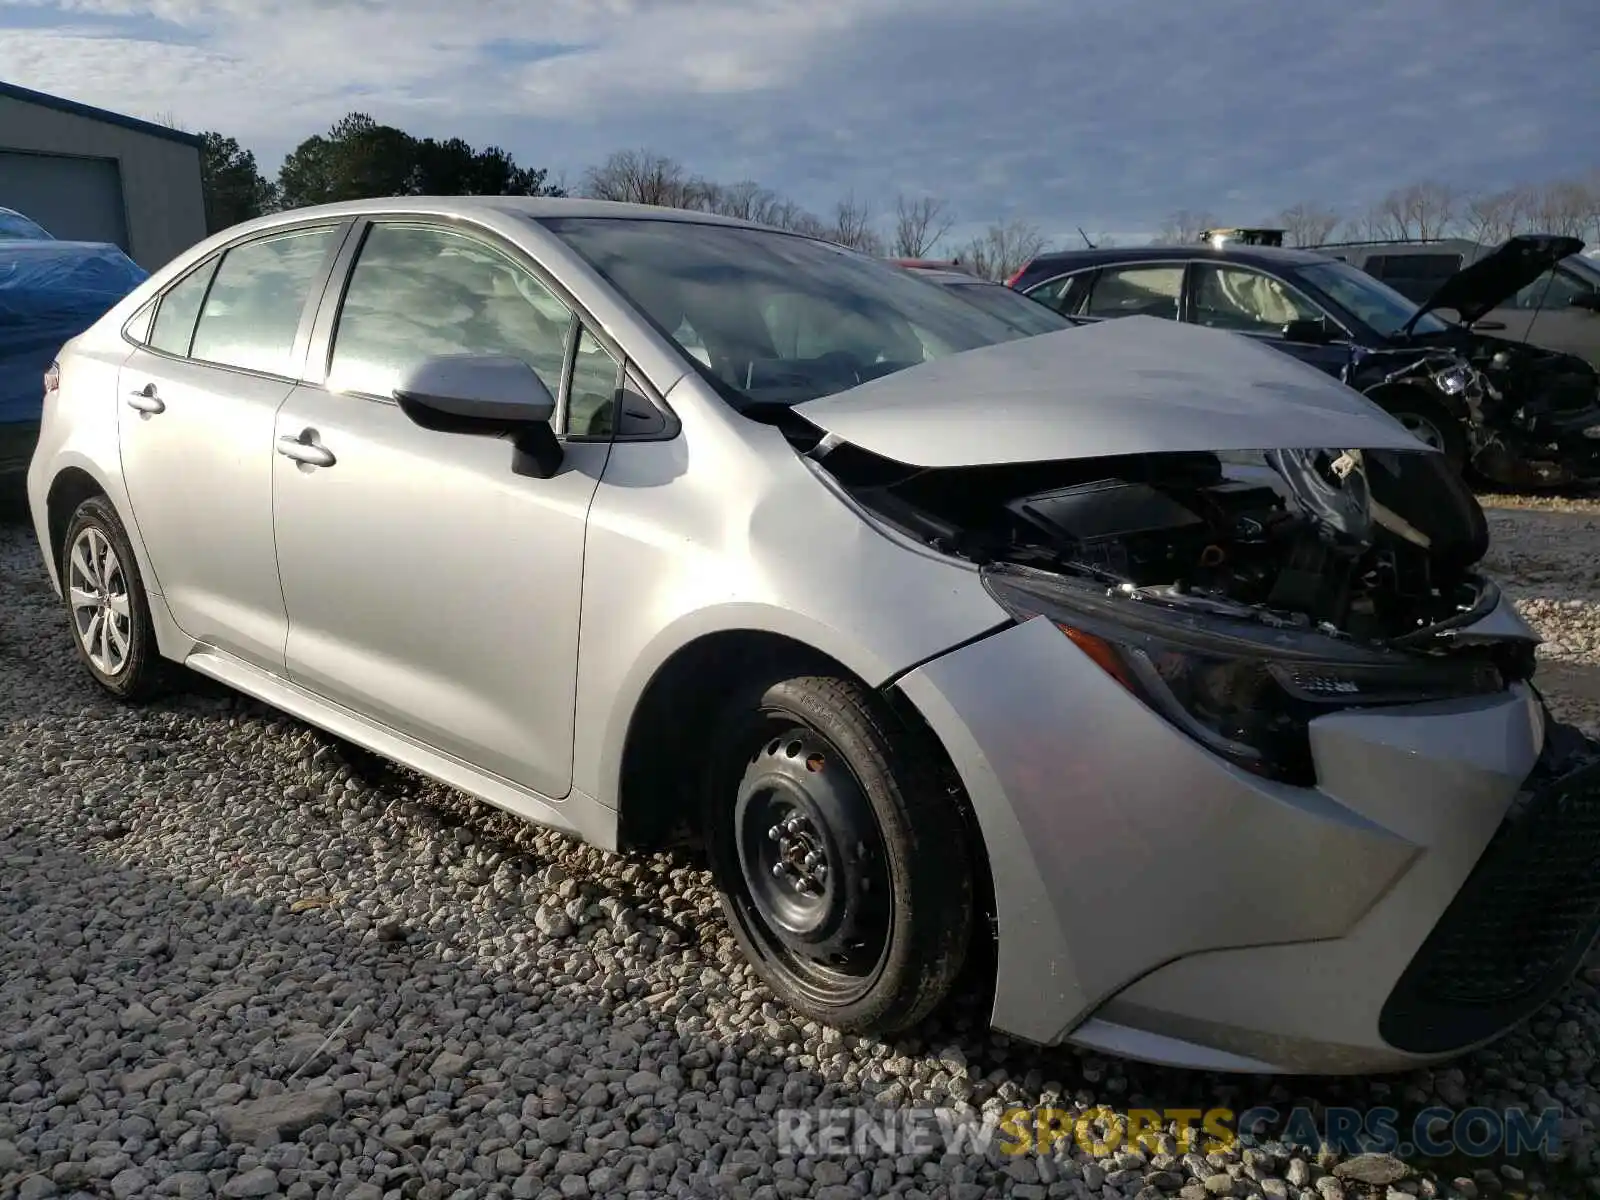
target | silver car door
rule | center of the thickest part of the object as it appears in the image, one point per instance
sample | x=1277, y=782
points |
x=428, y=586
x=195, y=412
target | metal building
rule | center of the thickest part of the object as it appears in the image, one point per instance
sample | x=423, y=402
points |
x=86, y=174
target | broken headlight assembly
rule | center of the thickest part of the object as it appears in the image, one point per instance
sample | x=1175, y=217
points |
x=1246, y=690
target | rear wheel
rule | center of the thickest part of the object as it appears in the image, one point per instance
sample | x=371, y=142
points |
x=106, y=604
x=840, y=854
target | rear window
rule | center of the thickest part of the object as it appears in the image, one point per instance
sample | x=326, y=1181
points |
x=1414, y=276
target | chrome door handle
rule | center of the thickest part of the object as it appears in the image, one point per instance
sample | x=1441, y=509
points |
x=146, y=400
x=309, y=453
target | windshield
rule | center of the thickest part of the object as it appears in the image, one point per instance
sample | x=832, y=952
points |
x=1028, y=316
x=774, y=318
x=1376, y=304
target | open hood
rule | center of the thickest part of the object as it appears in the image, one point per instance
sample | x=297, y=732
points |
x=1134, y=385
x=1495, y=278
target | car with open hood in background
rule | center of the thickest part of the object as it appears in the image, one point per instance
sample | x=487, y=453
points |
x=50, y=291
x=1516, y=415
x=1559, y=310
x=1136, y=673
x=1022, y=312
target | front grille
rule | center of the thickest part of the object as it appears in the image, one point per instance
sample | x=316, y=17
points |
x=1520, y=925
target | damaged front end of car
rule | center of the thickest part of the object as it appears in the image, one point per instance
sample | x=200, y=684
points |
x=1238, y=592
x=1238, y=596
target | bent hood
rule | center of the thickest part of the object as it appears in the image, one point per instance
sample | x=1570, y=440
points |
x=1488, y=283
x=1133, y=385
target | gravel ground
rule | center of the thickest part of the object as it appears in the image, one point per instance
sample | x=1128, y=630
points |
x=238, y=957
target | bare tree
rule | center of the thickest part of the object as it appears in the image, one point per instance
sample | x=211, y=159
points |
x=1308, y=223
x=1003, y=249
x=852, y=226
x=1569, y=207
x=642, y=177
x=1184, y=227
x=1492, y=217
x=919, y=225
x=1419, y=210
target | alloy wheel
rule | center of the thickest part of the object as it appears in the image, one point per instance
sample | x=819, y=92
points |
x=1424, y=430
x=102, y=615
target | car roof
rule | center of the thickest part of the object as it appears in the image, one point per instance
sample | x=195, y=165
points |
x=529, y=207
x=940, y=275
x=1059, y=261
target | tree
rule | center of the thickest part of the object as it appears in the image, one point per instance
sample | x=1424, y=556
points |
x=232, y=185
x=355, y=160
x=1492, y=217
x=359, y=158
x=454, y=168
x=1003, y=249
x=1419, y=210
x=643, y=177
x=1184, y=227
x=1307, y=224
x=852, y=226
x=919, y=225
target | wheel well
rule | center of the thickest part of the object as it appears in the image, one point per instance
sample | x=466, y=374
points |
x=658, y=802
x=657, y=805
x=1399, y=392
x=69, y=489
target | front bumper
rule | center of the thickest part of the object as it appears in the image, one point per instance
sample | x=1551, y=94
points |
x=1157, y=903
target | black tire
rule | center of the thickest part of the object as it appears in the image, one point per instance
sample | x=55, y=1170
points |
x=874, y=940
x=141, y=672
x=1414, y=408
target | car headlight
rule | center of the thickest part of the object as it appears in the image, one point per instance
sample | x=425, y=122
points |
x=1246, y=690
x=1453, y=381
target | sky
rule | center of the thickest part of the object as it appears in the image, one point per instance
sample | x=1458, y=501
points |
x=1104, y=114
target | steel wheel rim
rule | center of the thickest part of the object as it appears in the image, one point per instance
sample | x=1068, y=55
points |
x=97, y=590
x=1424, y=430
x=817, y=895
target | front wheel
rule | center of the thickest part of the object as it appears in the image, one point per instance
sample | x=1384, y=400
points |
x=1429, y=422
x=840, y=852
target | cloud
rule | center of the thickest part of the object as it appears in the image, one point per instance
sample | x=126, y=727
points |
x=1103, y=113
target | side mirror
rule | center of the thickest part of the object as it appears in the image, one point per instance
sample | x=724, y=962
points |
x=489, y=395
x=1588, y=300
x=1314, y=332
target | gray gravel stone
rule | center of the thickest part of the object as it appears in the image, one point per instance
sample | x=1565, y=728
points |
x=237, y=953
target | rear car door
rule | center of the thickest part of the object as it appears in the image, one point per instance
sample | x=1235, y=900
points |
x=1243, y=300
x=428, y=587
x=195, y=411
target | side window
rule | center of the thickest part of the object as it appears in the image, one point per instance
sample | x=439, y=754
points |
x=1552, y=290
x=253, y=310
x=173, y=328
x=418, y=292
x=1137, y=292
x=1246, y=301
x=1066, y=295
x=1414, y=276
x=592, y=394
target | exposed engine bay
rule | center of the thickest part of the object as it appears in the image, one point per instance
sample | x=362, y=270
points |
x=1375, y=547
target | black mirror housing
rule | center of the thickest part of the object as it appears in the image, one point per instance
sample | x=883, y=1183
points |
x=489, y=395
x=1316, y=333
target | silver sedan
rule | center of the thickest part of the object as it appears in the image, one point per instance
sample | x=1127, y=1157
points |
x=1135, y=673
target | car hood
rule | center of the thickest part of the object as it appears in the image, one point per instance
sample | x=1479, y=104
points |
x=1134, y=385
x=1486, y=284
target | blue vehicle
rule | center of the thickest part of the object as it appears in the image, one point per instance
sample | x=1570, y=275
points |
x=50, y=291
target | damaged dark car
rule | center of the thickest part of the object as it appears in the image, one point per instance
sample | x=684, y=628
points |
x=1506, y=413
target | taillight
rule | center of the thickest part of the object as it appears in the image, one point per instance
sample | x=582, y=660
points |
x=52, y=379
x=1012, y=282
